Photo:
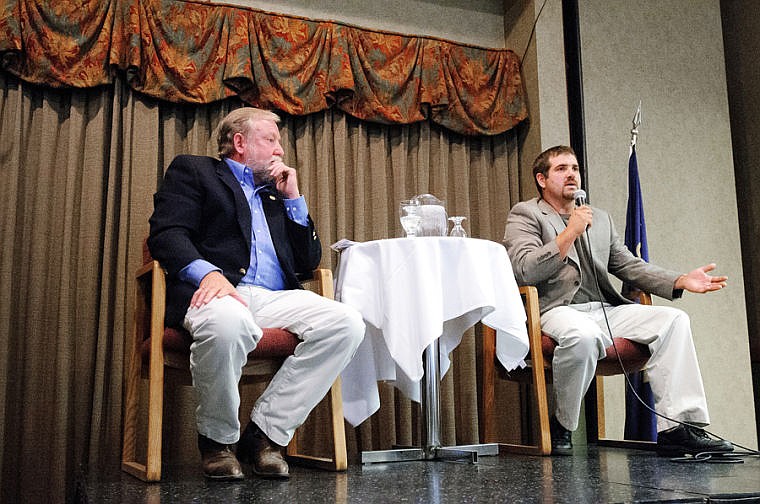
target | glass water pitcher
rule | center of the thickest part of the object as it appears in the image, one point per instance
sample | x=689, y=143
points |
x=433, y=216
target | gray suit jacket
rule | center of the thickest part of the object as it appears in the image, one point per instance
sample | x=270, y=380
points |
x=530, y=238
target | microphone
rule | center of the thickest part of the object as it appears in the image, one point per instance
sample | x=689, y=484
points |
x=580, y=197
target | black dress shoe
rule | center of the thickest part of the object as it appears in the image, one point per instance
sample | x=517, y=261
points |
x=562, y=439
x=687, y=440
x=218, y=460
x=266, y=456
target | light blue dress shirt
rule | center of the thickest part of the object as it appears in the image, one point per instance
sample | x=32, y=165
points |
x=264, y=269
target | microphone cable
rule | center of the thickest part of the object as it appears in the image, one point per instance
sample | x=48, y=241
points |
x=724, y=457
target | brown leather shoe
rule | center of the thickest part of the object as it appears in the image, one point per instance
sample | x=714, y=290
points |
x=266, y=456
x=219, y=461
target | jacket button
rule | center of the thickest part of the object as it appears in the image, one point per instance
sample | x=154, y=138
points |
x=576, y=283
x=241, y=271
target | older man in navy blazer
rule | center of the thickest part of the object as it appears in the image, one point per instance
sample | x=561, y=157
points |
x=234, y=234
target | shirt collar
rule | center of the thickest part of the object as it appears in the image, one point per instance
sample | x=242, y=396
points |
x=243, y=174
x=241, y=171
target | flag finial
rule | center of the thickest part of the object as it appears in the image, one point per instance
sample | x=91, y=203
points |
x=636, y=123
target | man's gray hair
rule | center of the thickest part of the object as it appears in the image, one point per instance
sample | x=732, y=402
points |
x=240, y=121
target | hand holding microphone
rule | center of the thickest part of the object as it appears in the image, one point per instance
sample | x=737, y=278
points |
x=582, y=215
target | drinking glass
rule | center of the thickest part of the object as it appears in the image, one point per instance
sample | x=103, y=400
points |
x=458, y=230
x=410, y=217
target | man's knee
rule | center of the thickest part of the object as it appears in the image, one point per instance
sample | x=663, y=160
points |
x=350, y=326
x=680, y=326
x=581, y=345
x=356, y=327
x=226, y=321
x=340, y=324
x=672, y=321
x=681, y=319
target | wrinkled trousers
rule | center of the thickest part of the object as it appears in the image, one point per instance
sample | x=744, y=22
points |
x=225, y=331
x=673, y=371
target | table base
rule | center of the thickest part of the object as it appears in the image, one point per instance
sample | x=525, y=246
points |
x=431, y=414
x=469, y=452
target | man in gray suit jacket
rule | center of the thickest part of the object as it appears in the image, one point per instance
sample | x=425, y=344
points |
x=233, y=234
x=567, y=252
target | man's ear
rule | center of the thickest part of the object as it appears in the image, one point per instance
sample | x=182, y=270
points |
x=541, y=179
x=238, y=142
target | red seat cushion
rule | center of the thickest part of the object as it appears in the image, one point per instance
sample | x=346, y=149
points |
x=273, y=343
x=634, y=355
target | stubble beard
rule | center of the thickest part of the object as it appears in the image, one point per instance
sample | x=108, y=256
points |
x=262, y=170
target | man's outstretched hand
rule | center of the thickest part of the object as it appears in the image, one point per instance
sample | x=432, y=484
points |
x=699, y=281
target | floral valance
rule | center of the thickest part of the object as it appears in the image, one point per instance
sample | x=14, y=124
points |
x=198, y=52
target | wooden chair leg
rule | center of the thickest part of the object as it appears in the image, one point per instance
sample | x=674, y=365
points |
x=151, y=469
x=338, y=461
x=596, y=432
x=544, y=441
x=155, y=422
x=594, y=406
x=339, y=457
x=540, y=421
x=538, y=389
x=131, y=407
x=150, y=286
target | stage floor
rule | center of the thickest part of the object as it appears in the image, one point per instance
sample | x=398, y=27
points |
x=592, y=475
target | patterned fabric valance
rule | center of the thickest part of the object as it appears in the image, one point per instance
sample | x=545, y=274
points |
x=196, y=52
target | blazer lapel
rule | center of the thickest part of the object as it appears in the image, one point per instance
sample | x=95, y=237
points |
x=242, y=208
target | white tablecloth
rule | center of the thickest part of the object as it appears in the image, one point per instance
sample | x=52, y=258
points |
x=411, y=291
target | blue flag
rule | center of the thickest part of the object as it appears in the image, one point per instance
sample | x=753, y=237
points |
x=640, y=423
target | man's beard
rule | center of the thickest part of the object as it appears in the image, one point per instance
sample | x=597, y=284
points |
x=261, y=177
x=262, y=170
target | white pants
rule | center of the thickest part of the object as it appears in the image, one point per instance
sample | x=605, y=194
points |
x=673, y=371
x=224, y=333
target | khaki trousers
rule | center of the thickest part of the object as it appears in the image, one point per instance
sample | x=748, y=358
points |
x=673, y=371
x=224, y=333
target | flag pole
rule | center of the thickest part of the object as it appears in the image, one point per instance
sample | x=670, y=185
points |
x=636, y=123
x=640, y=423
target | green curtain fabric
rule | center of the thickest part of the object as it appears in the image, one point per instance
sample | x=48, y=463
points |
x=197, y=52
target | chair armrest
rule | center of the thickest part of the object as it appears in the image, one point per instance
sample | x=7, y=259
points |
x=321, y=280
x=636, y=295
x=321, y=283
x=645, y=298
x=529, y=295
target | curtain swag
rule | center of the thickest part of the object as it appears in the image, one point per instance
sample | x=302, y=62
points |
x=197, y=52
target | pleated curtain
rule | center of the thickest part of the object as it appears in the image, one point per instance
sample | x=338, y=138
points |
x=79, y=165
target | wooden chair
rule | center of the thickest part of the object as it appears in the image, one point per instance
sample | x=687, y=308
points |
x=538, y=372
x=154, y=347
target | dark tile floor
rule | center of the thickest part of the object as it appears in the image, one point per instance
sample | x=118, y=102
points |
x=592, y=475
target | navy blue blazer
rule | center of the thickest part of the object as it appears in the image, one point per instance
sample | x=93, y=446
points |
x=200, y=212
